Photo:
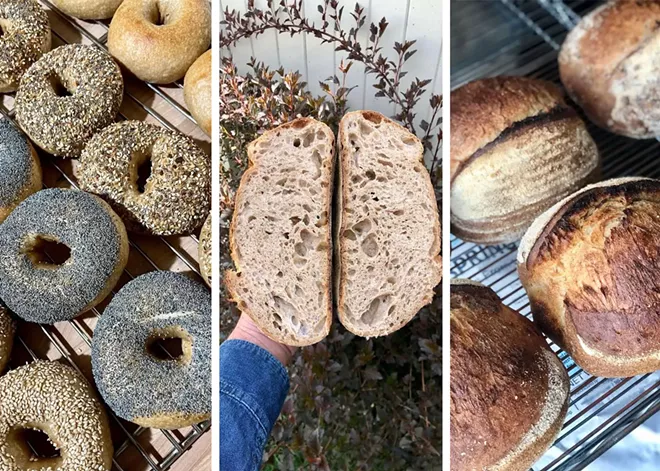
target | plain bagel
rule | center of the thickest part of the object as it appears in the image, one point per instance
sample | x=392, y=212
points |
x=197, y=91
x=158, y=40
x=88, y=9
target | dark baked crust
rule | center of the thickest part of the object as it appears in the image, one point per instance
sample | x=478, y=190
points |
x=483, y=109
x=499, y=364
x=592, y=276
x=595, y=54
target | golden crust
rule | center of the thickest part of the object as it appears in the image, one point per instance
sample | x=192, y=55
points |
x=595, y=53
x=197, y=91
x=591, y=274
x=483, y=109
x=500, y=363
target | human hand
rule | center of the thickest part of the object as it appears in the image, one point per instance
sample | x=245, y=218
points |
x=247, y=330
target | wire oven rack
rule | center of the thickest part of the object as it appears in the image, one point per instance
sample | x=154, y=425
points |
x=523, y=38
x=136, y=448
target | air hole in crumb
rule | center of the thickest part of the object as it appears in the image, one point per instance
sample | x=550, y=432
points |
x=349, y=234
x=386, y=163
x=299, y=292
x=391, y=280
x=300, y=249
x=370, y=246
x=365, y=128
x=417, y=169
x=309, y=138
x=322, y=247
x=294, y=220
x=322, y=219
x=376, y=311
x=296, y=143
x=307, y=208
x=281, y=182
x=308, y=238
x=409, y=141
x=316, y=159
x=299, y=261
x=306, y=219
x=362, y=227
x=45, y=251
x=351, y=271
x=286, y=235
x=60, y=88
x=35, y=445
x=399, y=212
x=280, y=274
x=370, y=174
x=251, y=218
x=356, y=178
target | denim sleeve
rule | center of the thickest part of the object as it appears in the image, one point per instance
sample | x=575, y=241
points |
x=253, y=387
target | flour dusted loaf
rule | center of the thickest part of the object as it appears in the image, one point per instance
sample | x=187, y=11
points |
x=280, y=234
x=591, y=268
x=509, y=391
x=388, y=231
x=609, y=64
x=516, y=149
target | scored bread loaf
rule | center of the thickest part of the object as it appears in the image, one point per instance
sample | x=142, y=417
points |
x=509, y=391
x=280, y=235
x=388, y=231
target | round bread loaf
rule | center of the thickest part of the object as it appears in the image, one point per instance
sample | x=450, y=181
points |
x=591, y=268
x=88, y=9
x=56, y=400
x=136, y=384
x=44, y=290
x=609, y=66
x=7, y=329
x=158, y=40
x=204, y=251
x=176, y=196
x=197, y=91
x=68, y=95
x=509, y=391
x=25, y=37
x=516, y=149
x=20, y=169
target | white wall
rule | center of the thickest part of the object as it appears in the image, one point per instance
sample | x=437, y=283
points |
x=408, y=20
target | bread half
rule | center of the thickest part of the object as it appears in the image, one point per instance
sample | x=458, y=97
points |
x=388, y=230
x=280, y=236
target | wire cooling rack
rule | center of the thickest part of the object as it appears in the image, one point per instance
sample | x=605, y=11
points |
x=136, y=448
x=523, y=38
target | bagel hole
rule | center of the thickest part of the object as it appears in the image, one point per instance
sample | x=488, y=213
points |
x=59, y=87
x=170, y=344
x=36, y=446
x=159, y=17
x=46, y=251
x=142, y=170
x=2, y=30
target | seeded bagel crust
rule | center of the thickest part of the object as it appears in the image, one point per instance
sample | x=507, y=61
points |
x=609, y=66
x=205, y=249
x=7, y=330
x=517, y=148
x=591, y=266
x=500, y=364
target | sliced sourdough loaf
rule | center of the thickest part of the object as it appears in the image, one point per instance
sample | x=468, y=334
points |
x=280, y=234
x=388, y=231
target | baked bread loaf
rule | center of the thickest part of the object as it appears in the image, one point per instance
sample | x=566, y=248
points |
x=280, y=236
x=516, y=149
x=88, y=9
x=388, y=231
x=591, y=268
x=509, y=391
x=608, y=64
x=159, y=40
x=197, y=91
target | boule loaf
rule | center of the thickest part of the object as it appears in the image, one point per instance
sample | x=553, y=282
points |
x=509, y=391
x=516, y=149
x=591, y=268
x=280, y=235
x=609, y=64
x=388, y=231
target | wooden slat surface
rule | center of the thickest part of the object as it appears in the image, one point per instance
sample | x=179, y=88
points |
x=69, y=341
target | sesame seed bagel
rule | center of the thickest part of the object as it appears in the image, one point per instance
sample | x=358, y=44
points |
x=197, y=91
x=20, y=170
x=177, y=195
x=55, y=399
x=88, y=9
x=137, y=385
x=204, y=251
x=7, y=330
x=38, y=290
x=26, y=36
x=67, y=96
x=158, y=40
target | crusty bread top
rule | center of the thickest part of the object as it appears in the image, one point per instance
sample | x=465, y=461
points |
x=509, y=392
x=483, y=109
x=388, y=231
x=280, y=235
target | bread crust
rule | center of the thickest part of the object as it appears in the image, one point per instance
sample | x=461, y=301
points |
x=88, y=9
x=160, y=53
x=231, y=277
x=590, y=267
x=197, y=91
x=500, y=363
x=519, y=149
x=607, y=66
x=341, y=261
